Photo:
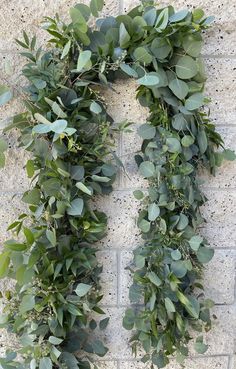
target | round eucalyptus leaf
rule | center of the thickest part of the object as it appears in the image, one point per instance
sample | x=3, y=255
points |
x=195, y=242
x=142, y=55
x=195, y=101
x=179, y=16
x=5, y=95
x=176, y=255
x=147, y=169
x=183, y=222
x=187, y=140
x=161, y=48
x=205, y=254
x=192, y=44
x=148, y=80
x=179, y=88
x=173, y=145
x=179, y=122
x=146, y=131
x=138, y=194
x=153, y=211
x=128, y=70
x=178, y=268
x=186, y=67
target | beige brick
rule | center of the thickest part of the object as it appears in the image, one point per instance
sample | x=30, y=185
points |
x=28, y=15
x=10, y=208
x=122, y=211
x=219, y=213
x=116, y=337
x=108, y=277
x=125, y=276
x=232, y=363
x=106, y=364
x=194, y=363
x=221, y=288
x=221, y=88
x=220, y=39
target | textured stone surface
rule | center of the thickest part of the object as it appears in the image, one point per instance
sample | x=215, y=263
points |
x=121, y=208
x=123, y=236
x=221, y=89
x=109, y=276
x=195, y=363
x=10, y=207
x=17, y=16
x=220, y=213
x=221, y=288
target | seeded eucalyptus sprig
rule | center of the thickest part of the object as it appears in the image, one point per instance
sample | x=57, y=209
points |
x=70, y=137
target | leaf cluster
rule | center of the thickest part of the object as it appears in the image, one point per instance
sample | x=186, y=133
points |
x=66, y=128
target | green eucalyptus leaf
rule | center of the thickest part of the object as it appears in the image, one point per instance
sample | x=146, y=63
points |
x=179, y=16
x=148, y=80
x=169, y=305
x=153, y=277
x=96, y=6
x=5, y=95
x=147, y=169
x=186, y=67
x=45, y=363
x=104, y=323
x=153, y=212
x=66, y=49
x=128, y=70
x=195, y=101
x=205, y=254
x=178, y=268
x=192, y=44
x=55, y=340
x=3, y=145
x=187, y=140
x=84, y=61
x=27, y=303
x=176, y=255
x=124, y=36
x=202, y=141
x=82, y=289
x=76, y=207
x=173, y=145
x=142, y=55
x=83, y=188
x=58, y=126
x=179, y=122
x=95, y=108
x=162, y=20
x=195, y=242
x=146, y=131
x=179, y=88
x=199, y=346
x=161, y=48
x=138, y=194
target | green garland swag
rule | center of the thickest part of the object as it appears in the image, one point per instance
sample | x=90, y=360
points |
x=69, y=134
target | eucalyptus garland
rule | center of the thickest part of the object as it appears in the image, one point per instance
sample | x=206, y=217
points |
x=70, y=137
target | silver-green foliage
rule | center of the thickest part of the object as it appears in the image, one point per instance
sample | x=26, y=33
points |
x=69, y=134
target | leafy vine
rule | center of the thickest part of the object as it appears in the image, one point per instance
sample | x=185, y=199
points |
x=70, y=136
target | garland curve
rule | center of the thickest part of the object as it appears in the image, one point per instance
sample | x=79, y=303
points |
x=70, y=136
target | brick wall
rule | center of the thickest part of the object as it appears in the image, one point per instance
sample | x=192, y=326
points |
x=116, y=250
